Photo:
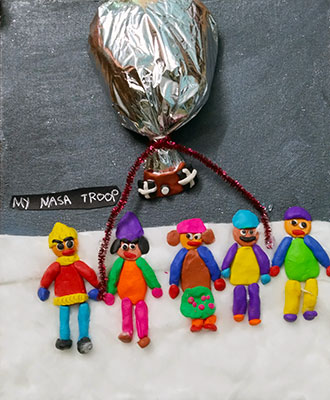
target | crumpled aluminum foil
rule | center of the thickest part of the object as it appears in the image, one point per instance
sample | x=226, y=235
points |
x=158, y=59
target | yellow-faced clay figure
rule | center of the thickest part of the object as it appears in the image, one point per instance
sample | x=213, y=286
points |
x=301, y=255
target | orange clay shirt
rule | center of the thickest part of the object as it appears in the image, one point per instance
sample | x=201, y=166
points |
x=131, y=283
x=131, y=278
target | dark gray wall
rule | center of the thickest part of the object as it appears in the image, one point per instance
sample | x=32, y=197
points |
x=266, y=123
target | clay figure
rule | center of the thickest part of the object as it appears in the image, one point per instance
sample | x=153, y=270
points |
x=69, y=272
x=301, y=255
x=244, y=264
x=130, y=276
x=194, y=267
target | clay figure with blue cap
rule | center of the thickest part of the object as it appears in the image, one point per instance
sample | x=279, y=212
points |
x=301, y=254
x=130, y=276
x=244, y=264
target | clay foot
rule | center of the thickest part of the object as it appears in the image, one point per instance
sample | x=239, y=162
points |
x=62, y=344
x=290, y=317
x=196, y=328
x=84, y=345
x=144, y=342
x=125, y=337
x=238, y=317
x=255, y=321
x=210, y=327
x=309, y=315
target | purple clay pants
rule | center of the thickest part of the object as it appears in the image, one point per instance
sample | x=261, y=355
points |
x=240, y=301
x=141, y=316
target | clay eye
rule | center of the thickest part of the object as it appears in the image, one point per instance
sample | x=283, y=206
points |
x=294, y=222
x=124, y=246
x=197, y=236
x=69, y=244
x=303, y=225
x=60, y=246
x=251, y=232
x=243, y=232
x=132, y=246
x=189, y=236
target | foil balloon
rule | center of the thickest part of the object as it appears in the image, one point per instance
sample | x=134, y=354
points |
x=158, y=59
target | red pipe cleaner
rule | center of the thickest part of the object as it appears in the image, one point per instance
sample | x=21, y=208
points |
x=166, y=143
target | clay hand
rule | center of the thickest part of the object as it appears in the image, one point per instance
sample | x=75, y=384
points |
x=173, y=291
x=93, y=294
x=157, y=292
x=274, y=270
x=109, y=299
x=328, y=271
x=43, y=293
x=265, y=278
x=225, y=273
x=219, y=284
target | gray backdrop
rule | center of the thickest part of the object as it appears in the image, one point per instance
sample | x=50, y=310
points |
x=266, y=122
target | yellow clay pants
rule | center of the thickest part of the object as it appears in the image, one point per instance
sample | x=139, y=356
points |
x=292, y=296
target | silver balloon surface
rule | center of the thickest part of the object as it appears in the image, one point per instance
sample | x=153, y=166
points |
x=158, y=59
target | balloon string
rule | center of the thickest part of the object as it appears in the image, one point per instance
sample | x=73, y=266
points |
x=166, y=143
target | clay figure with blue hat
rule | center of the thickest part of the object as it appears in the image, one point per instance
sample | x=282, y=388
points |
x=130, y=276
x=244, y=264
x=301, y=255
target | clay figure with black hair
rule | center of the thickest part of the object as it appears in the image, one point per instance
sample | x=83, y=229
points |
x=130, y=276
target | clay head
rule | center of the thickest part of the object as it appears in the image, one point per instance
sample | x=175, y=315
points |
x=130, y=243
x=297, y=222
x=245, y=228
x=191, y=233
x=63, y=240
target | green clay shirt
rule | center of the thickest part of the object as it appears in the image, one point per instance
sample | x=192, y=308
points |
x=300, y=263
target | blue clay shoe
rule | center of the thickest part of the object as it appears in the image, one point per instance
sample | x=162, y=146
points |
x=290, y=317
x=309, y=315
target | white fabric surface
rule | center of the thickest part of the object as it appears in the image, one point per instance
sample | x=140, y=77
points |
x=275, y=360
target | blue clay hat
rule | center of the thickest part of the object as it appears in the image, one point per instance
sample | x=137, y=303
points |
x=129, y=227
x=297, y=212
x=245, y=219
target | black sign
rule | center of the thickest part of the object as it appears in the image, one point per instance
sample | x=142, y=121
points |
x=95, y=197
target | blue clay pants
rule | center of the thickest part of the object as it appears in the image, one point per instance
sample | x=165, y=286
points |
x=83, y=321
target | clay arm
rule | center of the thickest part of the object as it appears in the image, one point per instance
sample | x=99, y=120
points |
x=150, y=277
x=48, y=277
x=263, y=262
x=318, y=252
x=113, y=276
x=279, y=256
x=176, y=267
x=206, y=255
x=148, y=273
x=229, y=258
x=87, y=273
x=175, y=273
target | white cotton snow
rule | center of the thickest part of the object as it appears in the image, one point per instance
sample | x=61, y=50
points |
x=275, y=360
